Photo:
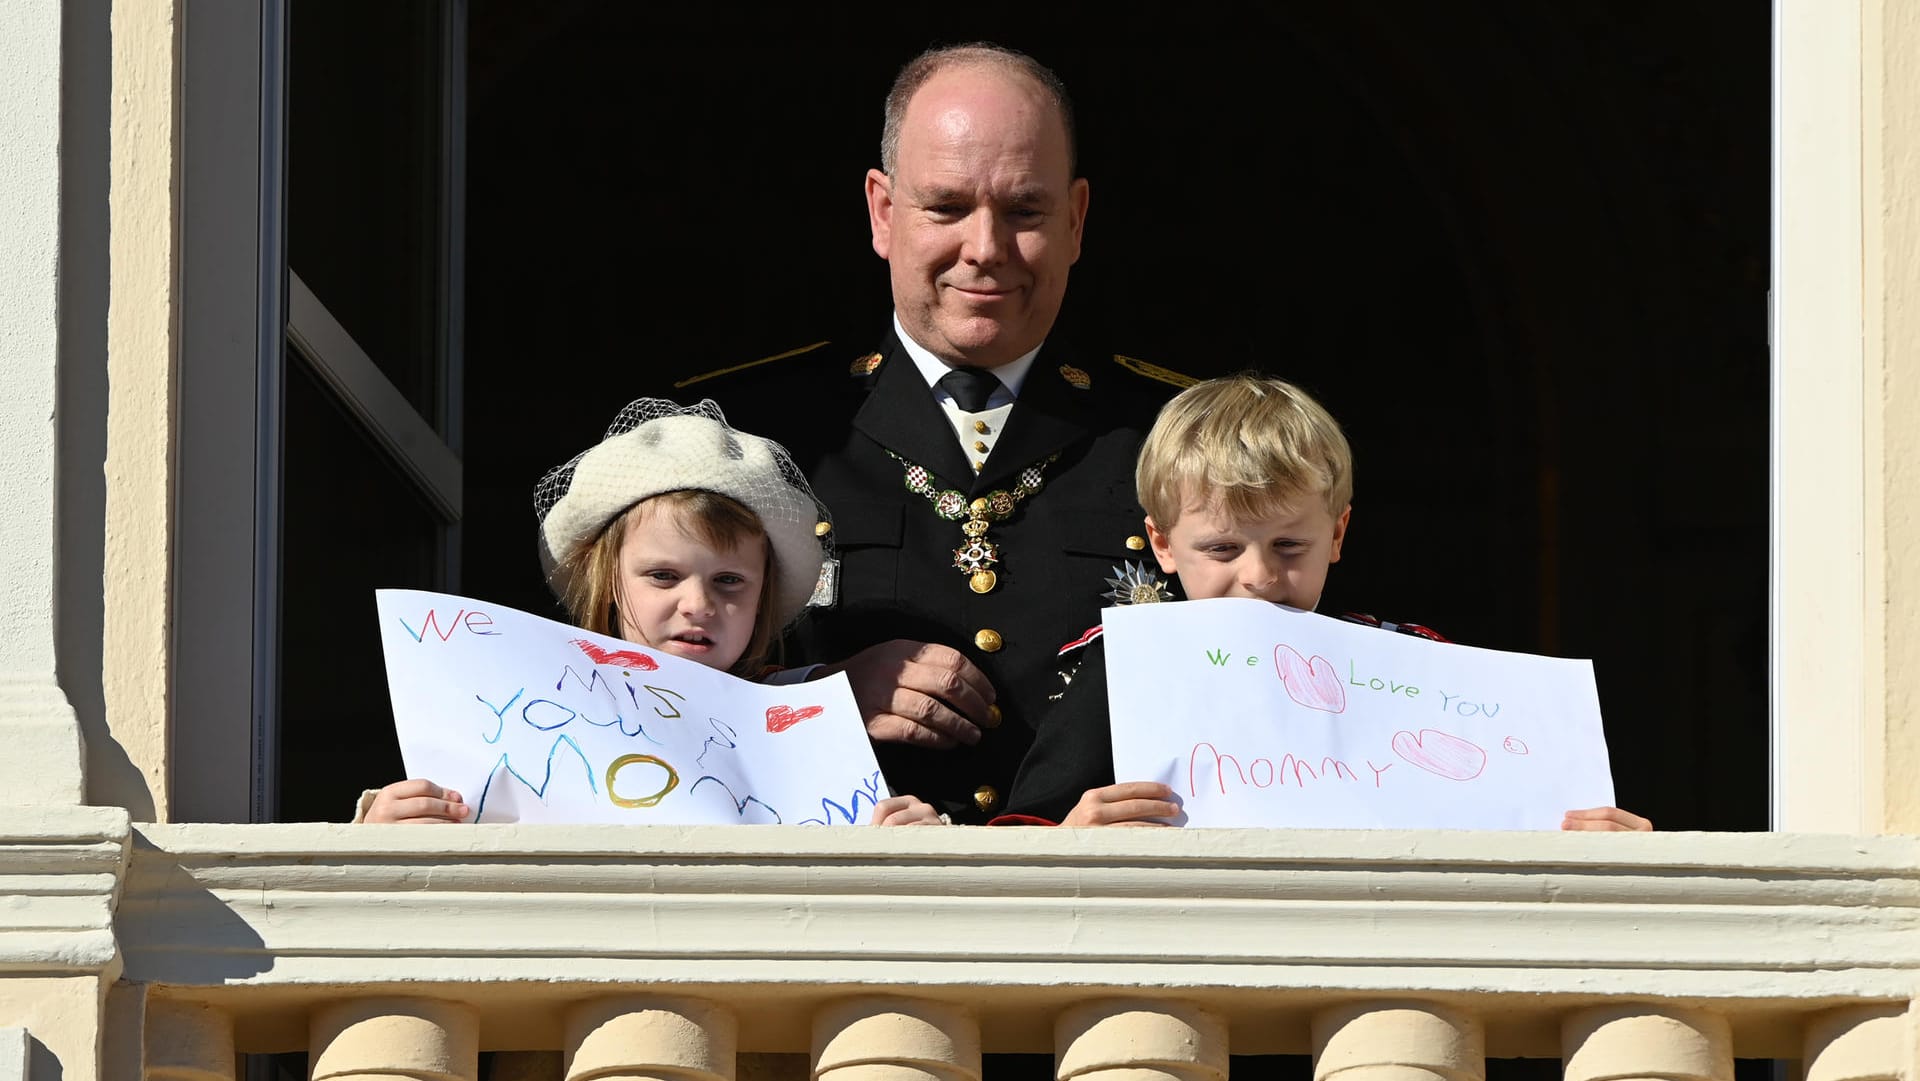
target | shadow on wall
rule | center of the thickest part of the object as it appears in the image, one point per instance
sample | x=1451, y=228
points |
x=81, y=424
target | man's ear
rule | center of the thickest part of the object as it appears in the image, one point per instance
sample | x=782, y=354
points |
x=1162, y=547
x=880, y=211
x=1077, y=197
x=1340, y=532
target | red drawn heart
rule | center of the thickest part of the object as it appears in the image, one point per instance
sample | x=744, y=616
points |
x=1312, y=683
x=1441, y=754
x=619, y=658
x=781, y=718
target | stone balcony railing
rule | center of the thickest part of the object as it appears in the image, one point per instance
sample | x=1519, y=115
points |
x=401, y=952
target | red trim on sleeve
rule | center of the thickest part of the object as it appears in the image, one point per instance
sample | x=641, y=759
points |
x=1414, y=629
x=1087, y=636
x=1021, y=820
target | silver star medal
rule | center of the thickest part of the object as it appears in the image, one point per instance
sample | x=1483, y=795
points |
x=1133, y=583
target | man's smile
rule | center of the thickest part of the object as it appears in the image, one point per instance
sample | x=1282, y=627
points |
x=983, y=292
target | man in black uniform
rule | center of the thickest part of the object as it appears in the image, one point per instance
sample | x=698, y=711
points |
x=979, y=474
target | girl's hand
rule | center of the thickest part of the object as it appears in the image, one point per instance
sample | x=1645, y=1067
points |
x=1606, y=819
x=1130, y=803
x=905, y=811
x=418, y=802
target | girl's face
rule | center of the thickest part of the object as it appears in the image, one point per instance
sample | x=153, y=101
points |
x=678, y=595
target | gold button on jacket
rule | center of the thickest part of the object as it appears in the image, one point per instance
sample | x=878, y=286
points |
x=988, y=640
x=986, y=798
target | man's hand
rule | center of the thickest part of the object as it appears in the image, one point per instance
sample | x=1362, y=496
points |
x=416, y=802
x=1606, y=819
x=906, y=811
x=1130, y=803
x=917, y=692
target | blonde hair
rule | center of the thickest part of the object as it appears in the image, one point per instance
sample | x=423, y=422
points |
x=593, y=580
x=1247, y=444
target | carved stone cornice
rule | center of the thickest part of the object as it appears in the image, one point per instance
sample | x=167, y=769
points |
x=60, y=876
x=1239, y=919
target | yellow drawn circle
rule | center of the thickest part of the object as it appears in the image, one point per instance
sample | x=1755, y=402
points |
x=613, y=768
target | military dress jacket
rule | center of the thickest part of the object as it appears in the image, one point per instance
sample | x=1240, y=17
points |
x=1073, y=748
x=856, y=420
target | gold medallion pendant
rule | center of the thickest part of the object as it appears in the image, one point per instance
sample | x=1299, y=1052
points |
x=978, y=555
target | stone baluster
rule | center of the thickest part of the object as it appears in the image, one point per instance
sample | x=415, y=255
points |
x=895, y=1039
x=1862, y=1043
x=1397, y=1041
x=1641, y=1042
x=186, y=1041
x=648, y=1039
x=1131, y=1040
x=395, y=1039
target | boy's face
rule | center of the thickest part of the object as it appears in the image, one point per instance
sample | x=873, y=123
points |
x=1282, y=558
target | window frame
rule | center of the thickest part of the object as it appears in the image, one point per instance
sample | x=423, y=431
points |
x=240, y=308
x=1825, y=531
x=1822, y=532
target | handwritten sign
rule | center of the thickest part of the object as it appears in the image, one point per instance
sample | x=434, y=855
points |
x=536, y=721
x=1263, y=716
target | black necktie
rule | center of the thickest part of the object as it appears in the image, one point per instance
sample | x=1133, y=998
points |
x=969, y=387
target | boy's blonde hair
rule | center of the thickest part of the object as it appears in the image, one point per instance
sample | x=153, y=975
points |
x=593, y=580
x=1246, y=444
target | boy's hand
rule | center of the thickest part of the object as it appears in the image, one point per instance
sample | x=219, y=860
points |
x=906, y=811
x=1130, y=803
x=917, y=692
x=1606, y=819
x=418, y=802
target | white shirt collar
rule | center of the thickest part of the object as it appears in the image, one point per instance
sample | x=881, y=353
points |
x=1012, y=375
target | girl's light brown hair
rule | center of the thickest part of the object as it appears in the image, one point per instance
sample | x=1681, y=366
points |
x=593, y=580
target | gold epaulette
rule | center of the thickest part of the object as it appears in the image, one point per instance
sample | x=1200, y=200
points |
x=1155, y=371
x=703, y=376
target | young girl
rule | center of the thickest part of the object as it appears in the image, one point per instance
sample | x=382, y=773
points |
x=677, y=532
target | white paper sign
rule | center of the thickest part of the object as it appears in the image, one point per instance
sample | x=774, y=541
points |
x=1258, y=715
x=531, y=720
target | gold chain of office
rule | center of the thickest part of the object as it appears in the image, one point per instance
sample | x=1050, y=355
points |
x=976, y=558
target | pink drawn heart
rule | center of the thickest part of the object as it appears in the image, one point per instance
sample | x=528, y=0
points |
x=1441, y=754
x=1314, y=684
x=781, y=718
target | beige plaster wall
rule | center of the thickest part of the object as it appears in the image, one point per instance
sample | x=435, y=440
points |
x=40, y=729
x=1891, y=256
x=63, y=1017
x=141, y=330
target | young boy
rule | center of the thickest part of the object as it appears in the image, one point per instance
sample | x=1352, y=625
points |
x=1248, y=483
